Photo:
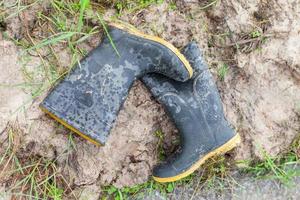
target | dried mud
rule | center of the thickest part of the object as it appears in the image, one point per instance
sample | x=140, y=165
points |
x=260, y=92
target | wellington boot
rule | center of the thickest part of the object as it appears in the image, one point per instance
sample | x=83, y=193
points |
x=196, y=109
x=88, y=100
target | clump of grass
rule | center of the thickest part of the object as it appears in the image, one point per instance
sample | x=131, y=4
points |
x=133, y=6
x=108, y=35
x=161, y=152
x=65, y=24
x=62, y=25
x=138, y=191
x=255, y=34
x=27, y=176
x=209, y=4
x=83, y=6
x=212, y=175
x=223, y=71
x=172, y=6
x=282, y=168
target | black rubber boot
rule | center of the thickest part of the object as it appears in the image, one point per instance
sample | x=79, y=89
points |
x=196, y=109
x=88, y=100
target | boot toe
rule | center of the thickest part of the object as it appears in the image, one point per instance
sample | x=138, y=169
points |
x=164, y=171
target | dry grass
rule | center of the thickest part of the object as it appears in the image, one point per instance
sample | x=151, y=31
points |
x=26, y=175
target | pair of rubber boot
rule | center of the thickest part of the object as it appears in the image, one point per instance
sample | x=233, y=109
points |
x=90, y=97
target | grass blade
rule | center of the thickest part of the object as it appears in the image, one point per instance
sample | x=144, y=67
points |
x=209, y=5
x=108, y=35
x=54, y=39
x=83, y=5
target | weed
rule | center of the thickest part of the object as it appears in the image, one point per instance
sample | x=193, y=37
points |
x=107, y=33
x=255, y=34
x=222, y=72
x=83, y=6
x=133, y=6
x=26, y=175
x=54, y=192
x=64, y=21
x=172, y=6
x=54, y=39
x=282, y=168
x=209, y=4
x=161, y=153
x=138, y=190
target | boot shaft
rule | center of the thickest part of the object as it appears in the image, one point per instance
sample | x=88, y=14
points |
x=194, y=105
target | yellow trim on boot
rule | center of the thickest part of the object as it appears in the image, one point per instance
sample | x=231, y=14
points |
x=136, y=32
x=69, y=126
x=233, y=142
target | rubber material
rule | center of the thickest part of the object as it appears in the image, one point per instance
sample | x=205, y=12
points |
x=196, y=109
x=88, y=100
x=134, y=31
x=220, y=150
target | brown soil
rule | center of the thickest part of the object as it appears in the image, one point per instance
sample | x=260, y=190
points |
x=260, y=92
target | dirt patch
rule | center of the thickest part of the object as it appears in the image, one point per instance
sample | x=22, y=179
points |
x=11, y=97
x=260, y=91
x=19, y=24
x=261, y=94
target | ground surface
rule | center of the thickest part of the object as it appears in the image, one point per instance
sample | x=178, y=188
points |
x=251, y=47
x=245, y=188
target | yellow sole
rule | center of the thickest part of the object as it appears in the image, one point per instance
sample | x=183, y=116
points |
x=136, y=32
x=233, y=142
x=69, y=126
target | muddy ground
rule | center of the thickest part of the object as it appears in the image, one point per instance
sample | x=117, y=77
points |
x=244, y=188
x=256, y=42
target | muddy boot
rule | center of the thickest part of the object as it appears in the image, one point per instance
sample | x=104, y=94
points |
x=196, y=109
x=88, y=100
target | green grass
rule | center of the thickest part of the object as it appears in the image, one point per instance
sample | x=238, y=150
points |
x=26, y=175
x=213, y=175
x=65, y=29
x=222, y=72
x=83, y=6
x=161, y=152
x=54, y=39
x=209, y=4
x=256, y=34
x=134, y=5
x=107, y=34
x=172, y=6
x=282, y=168
x=138, y=191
